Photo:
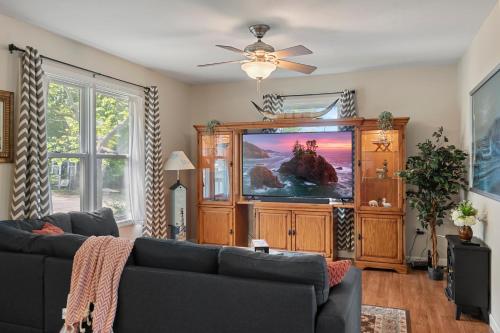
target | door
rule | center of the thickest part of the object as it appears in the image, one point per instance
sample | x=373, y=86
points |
x=312, y=232
x=215, y=168
x=216, y=226
x=380, y=238
x=275, y=226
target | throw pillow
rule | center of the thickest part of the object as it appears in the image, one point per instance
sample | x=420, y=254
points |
x=49, y=229
x=337, y=271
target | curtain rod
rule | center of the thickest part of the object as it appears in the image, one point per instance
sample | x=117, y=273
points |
x=316, y=94
x=13, y=48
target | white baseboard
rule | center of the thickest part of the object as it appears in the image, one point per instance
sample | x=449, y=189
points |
x=441, y=262
x=493, y=324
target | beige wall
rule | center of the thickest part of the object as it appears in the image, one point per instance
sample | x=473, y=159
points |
x=480, y=59
x=428, y=94
x=173, y=94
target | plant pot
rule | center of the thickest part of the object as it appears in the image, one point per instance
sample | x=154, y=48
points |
x=465, y=233
x=435, y=274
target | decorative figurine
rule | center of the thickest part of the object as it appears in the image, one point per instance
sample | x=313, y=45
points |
x=385, y=203
x=382, y=172
x=373, y=203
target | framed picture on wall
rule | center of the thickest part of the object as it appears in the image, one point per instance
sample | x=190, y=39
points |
x=6, y=123
x=486, y=136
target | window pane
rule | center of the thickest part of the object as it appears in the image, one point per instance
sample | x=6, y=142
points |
x=112, y=186
x=63, y=117
x=65, y=179
x=112, y=124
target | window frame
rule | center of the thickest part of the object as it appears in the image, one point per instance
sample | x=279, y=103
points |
x=88, y=155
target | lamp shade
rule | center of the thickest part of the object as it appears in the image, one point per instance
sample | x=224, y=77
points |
x=178, y=161
x=258, y=70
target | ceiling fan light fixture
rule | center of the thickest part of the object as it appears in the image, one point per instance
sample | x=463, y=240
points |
x=258, y=70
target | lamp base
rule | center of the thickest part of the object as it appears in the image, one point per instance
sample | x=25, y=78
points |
x=177, y=220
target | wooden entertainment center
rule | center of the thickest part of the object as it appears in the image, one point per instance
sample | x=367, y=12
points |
x=226, y=217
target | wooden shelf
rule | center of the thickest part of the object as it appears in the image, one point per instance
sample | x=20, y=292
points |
x=296, y=205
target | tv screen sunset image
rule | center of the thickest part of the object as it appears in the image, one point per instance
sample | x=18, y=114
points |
x=317, y=165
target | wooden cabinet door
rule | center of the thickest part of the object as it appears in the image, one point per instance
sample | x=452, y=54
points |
x=380, y=238
x=275, y=226
x=216, y=226
x=312, y=232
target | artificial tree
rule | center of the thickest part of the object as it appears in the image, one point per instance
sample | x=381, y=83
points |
x=435, y=175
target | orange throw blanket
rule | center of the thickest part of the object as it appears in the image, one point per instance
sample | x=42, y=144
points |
x=97, y=269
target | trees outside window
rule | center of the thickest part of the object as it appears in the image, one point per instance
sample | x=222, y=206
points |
x=88, y=143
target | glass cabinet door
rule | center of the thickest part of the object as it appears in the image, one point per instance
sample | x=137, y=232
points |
x=380, y=160
x=215, y=166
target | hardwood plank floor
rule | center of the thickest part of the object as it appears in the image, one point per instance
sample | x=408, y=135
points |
x=430, y=310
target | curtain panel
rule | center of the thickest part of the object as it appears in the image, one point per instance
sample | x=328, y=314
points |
x=136, y=171
x=345, y=216
x=272, y=103
x=30, y=189
x=155, y=224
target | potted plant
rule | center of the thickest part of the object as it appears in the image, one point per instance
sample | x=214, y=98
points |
x=463, y=216
x=435, y=175
x=385, y=121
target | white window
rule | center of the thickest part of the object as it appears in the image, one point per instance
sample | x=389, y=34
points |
x=88, y=142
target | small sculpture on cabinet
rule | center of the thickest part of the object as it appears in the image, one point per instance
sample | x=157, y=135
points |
x=386, y=204
x=382, y=172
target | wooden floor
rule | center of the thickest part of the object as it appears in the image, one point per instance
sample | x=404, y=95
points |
x=429, y=308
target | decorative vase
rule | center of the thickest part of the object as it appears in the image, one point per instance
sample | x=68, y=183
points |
x=465, y=233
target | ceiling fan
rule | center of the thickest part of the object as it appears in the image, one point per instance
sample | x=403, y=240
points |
x=261, y=58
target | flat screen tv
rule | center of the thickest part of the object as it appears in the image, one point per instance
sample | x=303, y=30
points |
x=298, y=165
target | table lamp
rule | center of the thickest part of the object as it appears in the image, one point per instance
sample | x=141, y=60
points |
x=178, y=161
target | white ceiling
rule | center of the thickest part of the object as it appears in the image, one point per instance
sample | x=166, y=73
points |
x=174, y=36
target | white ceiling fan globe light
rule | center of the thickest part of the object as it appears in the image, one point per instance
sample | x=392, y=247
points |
x=258, y=70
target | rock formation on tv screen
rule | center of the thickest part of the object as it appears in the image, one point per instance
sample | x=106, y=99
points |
x=260, y=177
x=308, y=165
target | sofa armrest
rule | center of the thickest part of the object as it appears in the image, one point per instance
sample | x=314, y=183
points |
x=342, y=312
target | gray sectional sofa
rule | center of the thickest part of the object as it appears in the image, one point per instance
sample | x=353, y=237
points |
x=170, y=286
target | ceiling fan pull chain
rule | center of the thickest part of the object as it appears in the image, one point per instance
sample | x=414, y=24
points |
x=259, y=94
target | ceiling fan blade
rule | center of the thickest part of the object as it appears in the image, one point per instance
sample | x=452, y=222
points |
x=291, y=52
x=294, y=66
x=221, y=63
x=230, y=48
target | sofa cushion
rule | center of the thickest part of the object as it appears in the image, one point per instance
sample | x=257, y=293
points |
x=62, y=246
x=26, y=225
x=98, y=223
x=306, y=269
x=177, y=255
x=61, y=220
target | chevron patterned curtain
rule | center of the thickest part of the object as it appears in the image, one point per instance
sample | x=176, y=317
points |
x=155, y=224
x=345, y=216
x=30, y=190
x=272, y=103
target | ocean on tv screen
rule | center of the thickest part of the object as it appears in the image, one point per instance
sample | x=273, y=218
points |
x=314, y=165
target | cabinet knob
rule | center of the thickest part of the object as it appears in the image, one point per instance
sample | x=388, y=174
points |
x=231, y=231
x=294, y=232
x=359, y=237
x=289, y=232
